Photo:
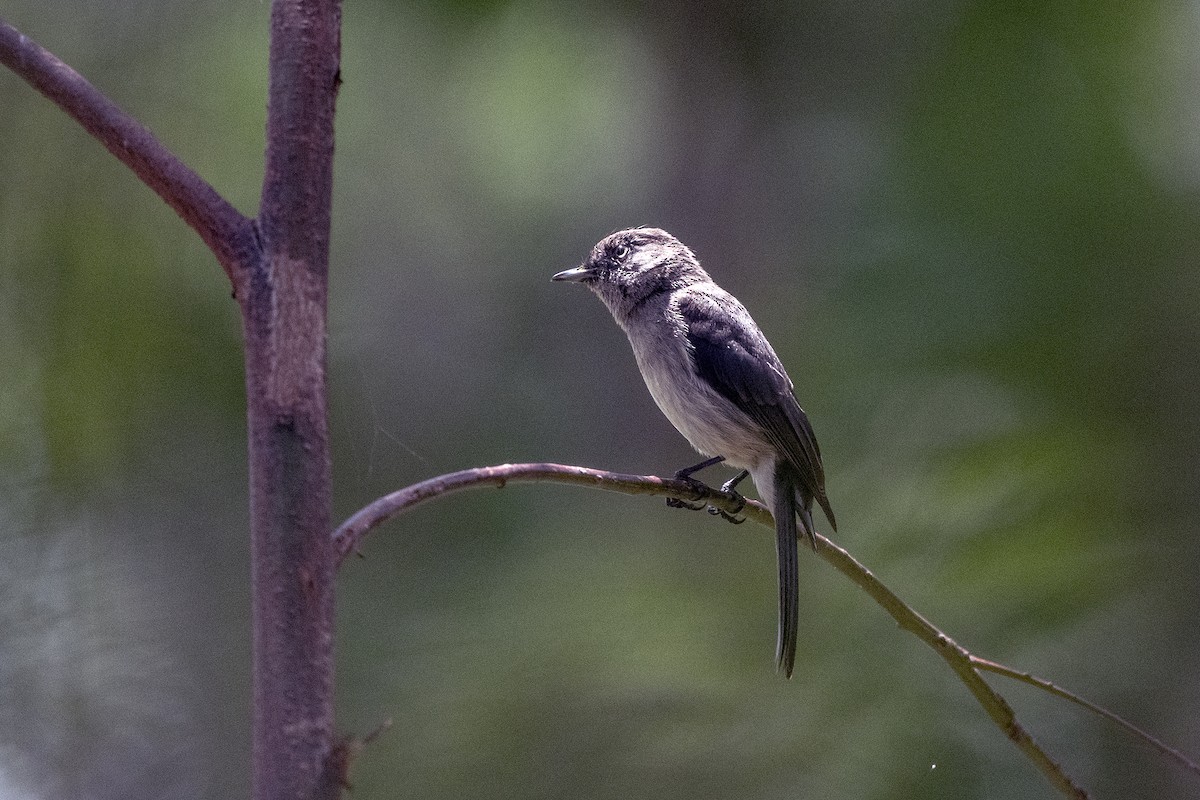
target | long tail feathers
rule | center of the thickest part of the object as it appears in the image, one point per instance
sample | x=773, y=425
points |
x=828, y=509
x=789, y=566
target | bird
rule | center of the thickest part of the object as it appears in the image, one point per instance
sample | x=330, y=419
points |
x=714, y=375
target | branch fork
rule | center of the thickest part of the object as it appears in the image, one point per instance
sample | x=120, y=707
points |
x=968, y=667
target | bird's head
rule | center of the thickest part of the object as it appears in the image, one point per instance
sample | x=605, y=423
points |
x=627, y=267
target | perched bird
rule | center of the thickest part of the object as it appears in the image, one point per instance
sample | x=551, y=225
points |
x=719, y=382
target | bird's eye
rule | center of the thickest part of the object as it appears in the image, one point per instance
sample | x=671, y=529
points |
x=620, y=251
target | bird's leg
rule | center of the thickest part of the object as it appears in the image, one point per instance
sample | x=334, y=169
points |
x=685, y=474
x=730, y=486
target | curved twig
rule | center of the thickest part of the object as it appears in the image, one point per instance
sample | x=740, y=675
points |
x=351, y=532
x=226, y=231
x=349, y=535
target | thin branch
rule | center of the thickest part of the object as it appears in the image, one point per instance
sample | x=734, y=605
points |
x=959, y=659
x=228, y=233
x=349, y=535
x=351, y=532
x=1056, y=690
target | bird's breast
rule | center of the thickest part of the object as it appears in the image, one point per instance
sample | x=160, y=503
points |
x=712, y=424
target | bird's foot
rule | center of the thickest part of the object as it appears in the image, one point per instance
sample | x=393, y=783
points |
x=700, y=489
x=728, y=487
x=730, y=516
x=675, y=502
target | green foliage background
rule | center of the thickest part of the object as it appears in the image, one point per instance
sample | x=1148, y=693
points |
x=970, y=229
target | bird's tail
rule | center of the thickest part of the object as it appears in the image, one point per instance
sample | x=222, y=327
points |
x=789, y=566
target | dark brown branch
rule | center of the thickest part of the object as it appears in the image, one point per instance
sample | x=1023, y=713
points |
x=284, y=302
x=348, y=536
x=280, y=280
x=223, y=228
x=304, y=80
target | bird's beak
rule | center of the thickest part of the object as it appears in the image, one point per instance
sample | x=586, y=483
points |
x=576, y=275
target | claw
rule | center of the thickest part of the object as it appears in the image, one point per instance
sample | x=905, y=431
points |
x=700, y=489
x=674, y=502
x=730, y=516
x=730, y=487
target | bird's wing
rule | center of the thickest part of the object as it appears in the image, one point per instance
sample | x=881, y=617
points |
x=737, y=361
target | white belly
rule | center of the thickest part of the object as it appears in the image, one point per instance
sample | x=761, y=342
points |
x=712, y=424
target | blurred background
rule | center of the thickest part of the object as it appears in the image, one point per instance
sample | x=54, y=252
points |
x=969, y=228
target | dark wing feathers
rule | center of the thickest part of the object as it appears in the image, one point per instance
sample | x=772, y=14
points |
x=731, y=353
